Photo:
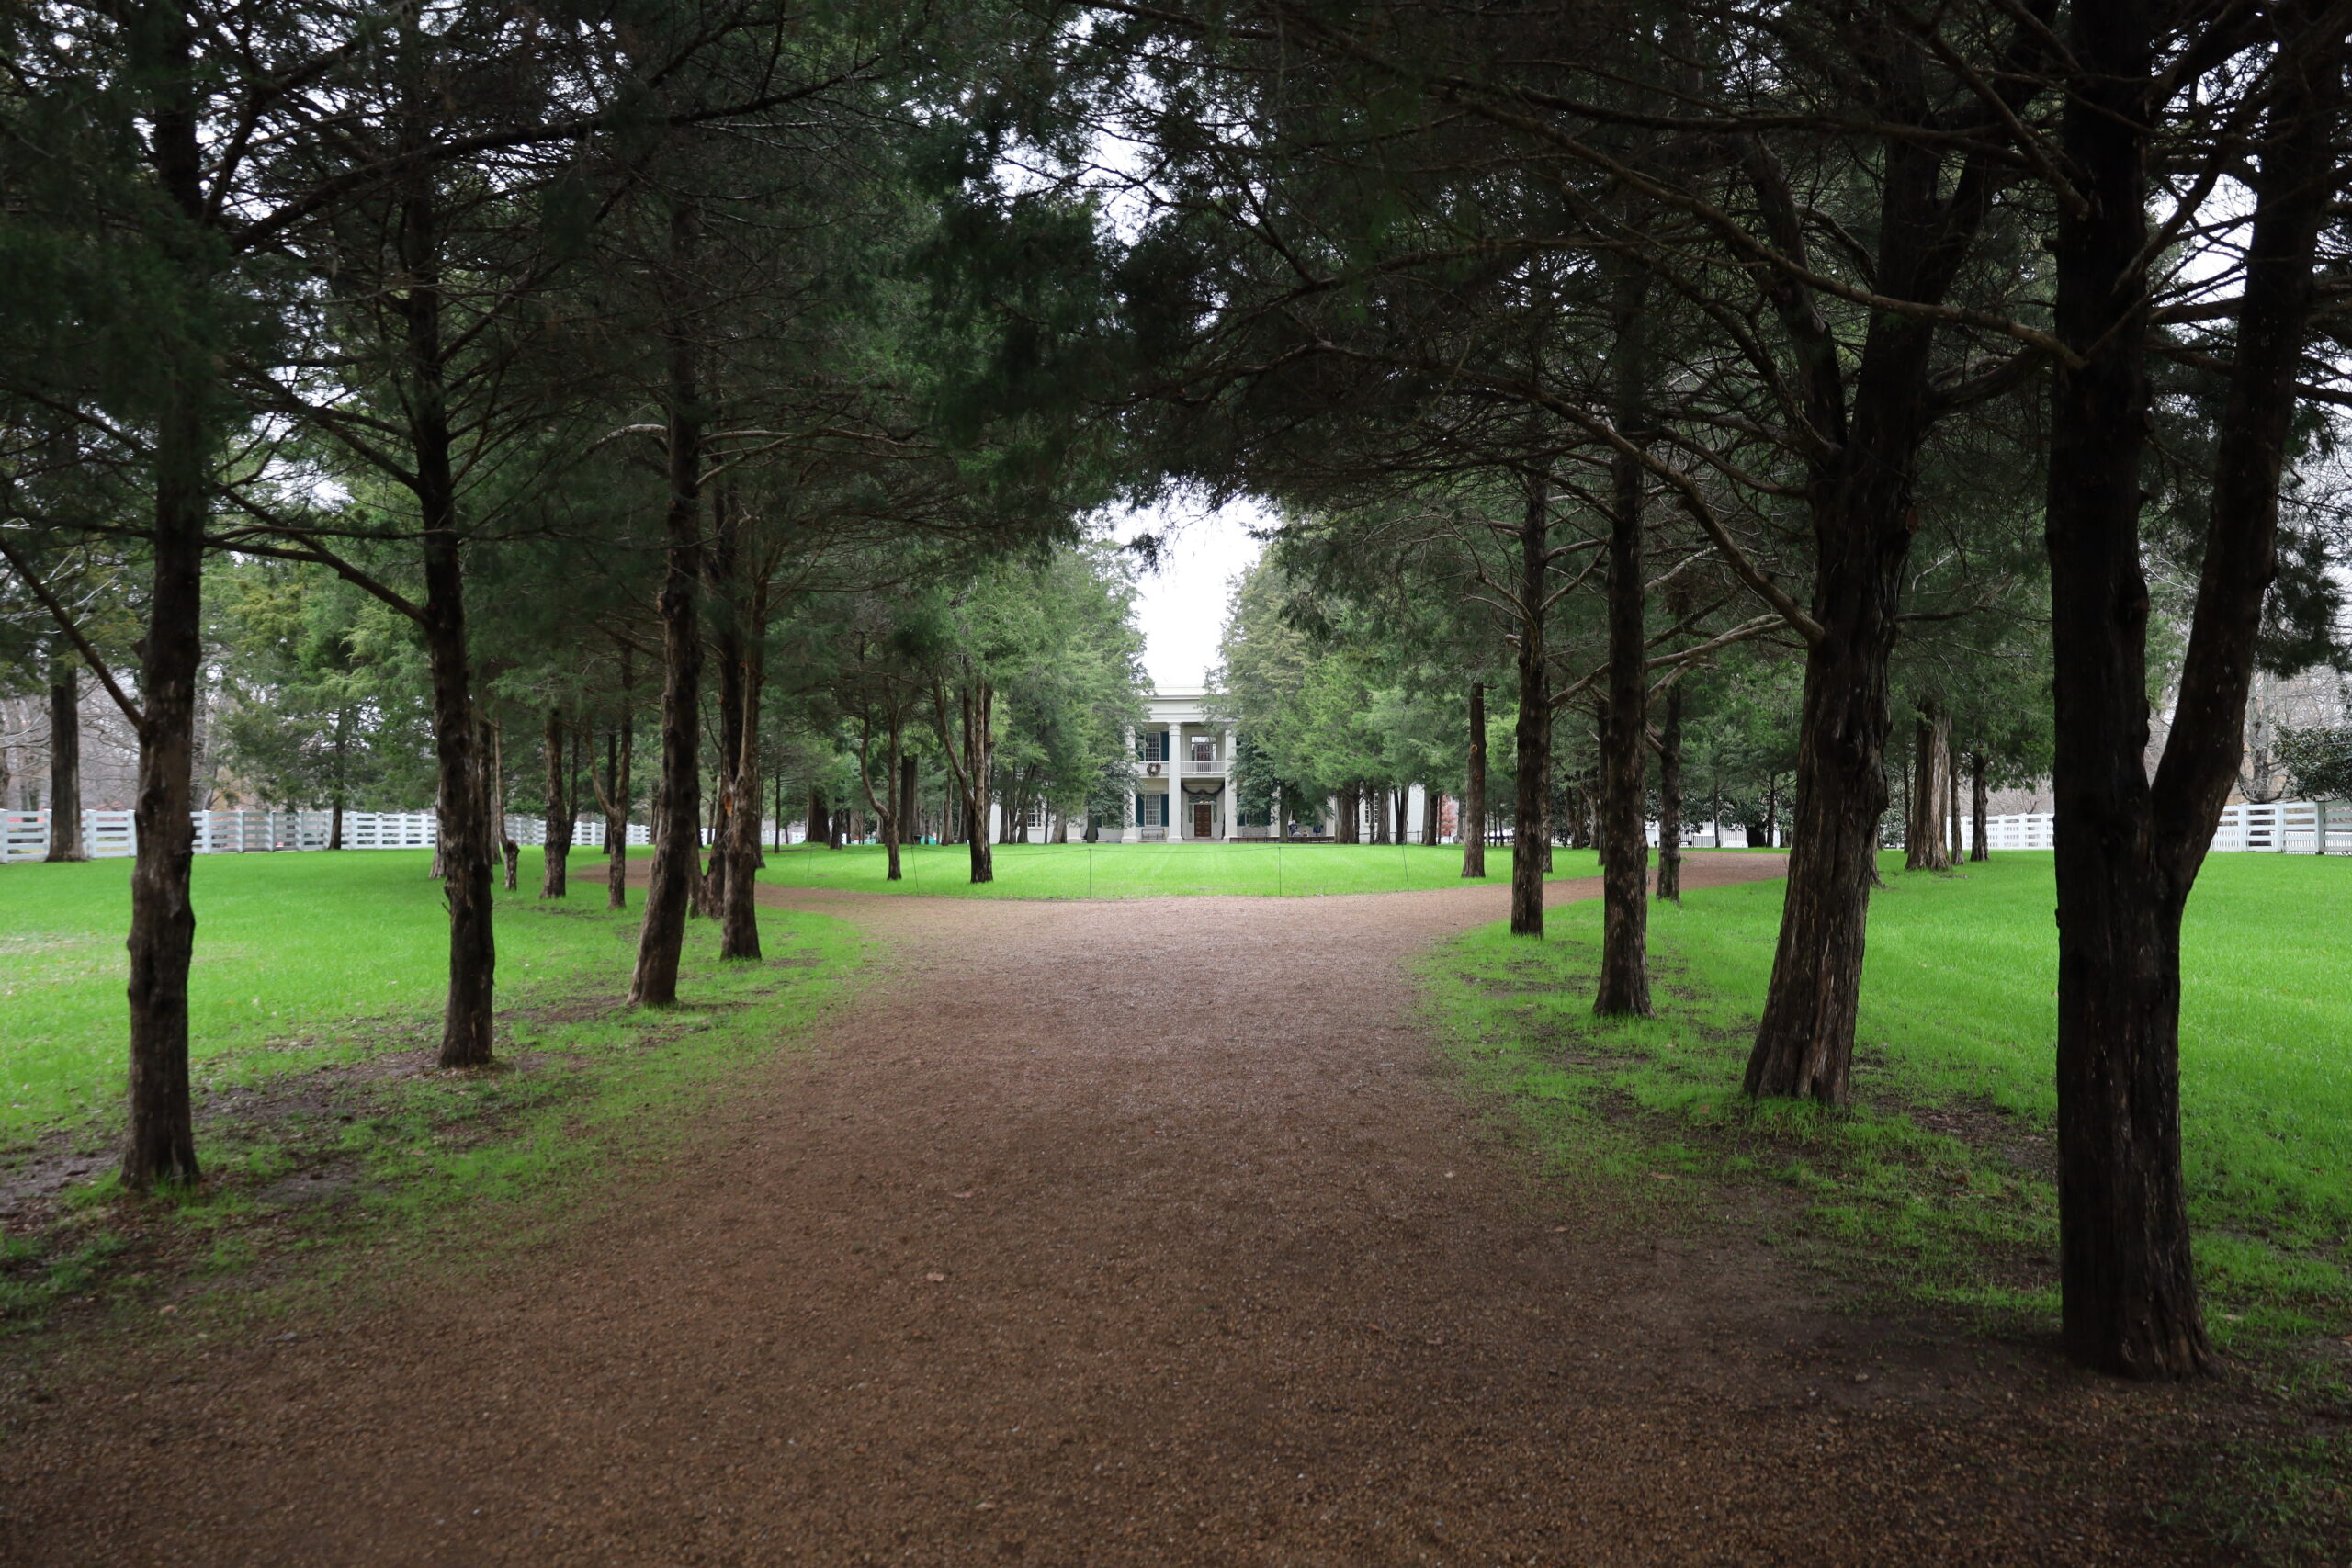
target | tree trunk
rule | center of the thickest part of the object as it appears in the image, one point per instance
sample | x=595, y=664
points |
x=1625, y=987
x=1669, y=797
x=979, y=715
x=677, y=829
x=726, y=608
x=561, y=810
x=1432, y=818
x=2127, y=1283
x=910, y=799
x=2129, y=849
x=65, y=762
x=899, y=772
x=160, y=1143
x=1980, y=847
x=509, y=852
x=160, y=1147
x=821, y=820
x=739, y=922
x=1924, y=838
x=1804, y=1045
x=1860, y=487
x=1530, y=824
x=735, y=846
x=464, y=833
x=343, y=722
x=468, y=837
x=1472, y=823
x=1953, y=848
x=619, y=744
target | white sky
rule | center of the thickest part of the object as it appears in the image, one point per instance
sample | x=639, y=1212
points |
x=1182, y=606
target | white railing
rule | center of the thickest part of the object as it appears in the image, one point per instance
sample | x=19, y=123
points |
x=1154, y=835
x=2278, y=827
x=1695, y=836
x=108, y=835
x=1203, y=765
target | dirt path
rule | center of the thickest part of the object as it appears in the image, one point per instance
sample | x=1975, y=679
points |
x=1094, y=1234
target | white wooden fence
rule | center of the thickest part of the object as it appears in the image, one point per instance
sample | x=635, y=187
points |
x=2282, y=827
x=24, y=835
x=2279, y=827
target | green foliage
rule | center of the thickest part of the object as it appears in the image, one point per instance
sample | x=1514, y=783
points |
x=1328, y=696
x=325, y=695
x=2318, y=760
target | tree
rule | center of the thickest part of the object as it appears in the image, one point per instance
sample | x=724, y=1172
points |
x=2129, y=846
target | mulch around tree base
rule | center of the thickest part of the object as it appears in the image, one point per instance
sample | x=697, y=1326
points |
x=1126, y=1232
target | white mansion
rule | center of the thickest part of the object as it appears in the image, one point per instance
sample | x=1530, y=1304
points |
x=1184, y=763
x=1184, y=780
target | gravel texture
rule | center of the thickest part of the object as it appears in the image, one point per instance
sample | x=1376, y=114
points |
x=1097, y=1232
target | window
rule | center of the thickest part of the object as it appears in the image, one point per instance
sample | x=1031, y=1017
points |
x=1204, y=748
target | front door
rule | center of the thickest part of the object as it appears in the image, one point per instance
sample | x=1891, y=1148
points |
x=1200, y=819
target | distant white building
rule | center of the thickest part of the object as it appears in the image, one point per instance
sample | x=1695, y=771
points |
x=1184, y=774
x=1183, y=789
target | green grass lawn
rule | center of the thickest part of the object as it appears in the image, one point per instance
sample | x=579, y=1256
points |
x=315, y=998
x=1150, y=871
x=1938, y=1181
x=295, y=956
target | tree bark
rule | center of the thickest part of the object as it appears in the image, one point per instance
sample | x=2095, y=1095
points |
x=909, y=800
x=465, y=830
x=738, y=924
x=890, y=801
x=892, y=808
x=1860, y=487
x=1925, y=834
x=562, y=811
x=467, y=837
x=1471, y=824
x=1625, y=987
x=677, y=832
x=1669, y=797
x=160, y=1141
x=619, y=745
x=966, y=739
x=2127, y=1278
x=1804, y=1044
x=1952, y=849
x=1530, y=820
x=2128, y=848
x=510, y=854
x=1980, y=847
x=341, y=799
x=820, y=820
x=978, y=710
x=65, y=762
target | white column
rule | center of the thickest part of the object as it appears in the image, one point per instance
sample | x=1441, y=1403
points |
x=1230, y=800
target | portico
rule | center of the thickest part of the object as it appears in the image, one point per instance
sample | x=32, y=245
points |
x=1184, y=781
